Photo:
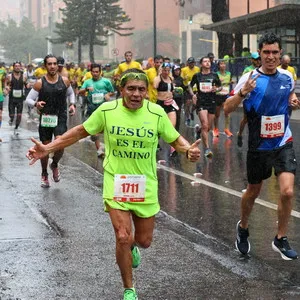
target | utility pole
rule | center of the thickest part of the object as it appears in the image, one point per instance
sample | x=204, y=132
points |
x=154, y=29
x=48, y=38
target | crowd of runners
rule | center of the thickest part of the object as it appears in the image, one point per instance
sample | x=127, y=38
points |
x=136, y=104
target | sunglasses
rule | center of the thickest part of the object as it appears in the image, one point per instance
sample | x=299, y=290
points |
x=132, y=76
x=165, y=65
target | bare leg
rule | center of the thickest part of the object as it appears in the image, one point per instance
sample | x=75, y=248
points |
x=121, y=222
x=247, y=203
x=286, y=183
x=203, y=117
x=217, y=115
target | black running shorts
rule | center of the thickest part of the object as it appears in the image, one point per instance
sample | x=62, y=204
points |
x=47, y=133
x=260, y=163
x=204, y=105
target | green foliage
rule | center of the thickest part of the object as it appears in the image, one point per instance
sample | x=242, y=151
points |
x=90, y=22
x=20, y=41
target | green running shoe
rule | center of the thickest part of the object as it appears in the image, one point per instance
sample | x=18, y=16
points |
x=136, y=257
x=130, y=294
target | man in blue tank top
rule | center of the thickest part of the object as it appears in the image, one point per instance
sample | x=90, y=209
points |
x=268, y=96
x=49, y=96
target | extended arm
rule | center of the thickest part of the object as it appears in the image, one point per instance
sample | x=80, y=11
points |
x=40, y=150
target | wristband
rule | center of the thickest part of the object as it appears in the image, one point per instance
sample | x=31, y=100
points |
x=187, y=153
x=241, y=94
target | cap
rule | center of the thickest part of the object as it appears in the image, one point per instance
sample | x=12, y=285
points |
x=60, y=61
x=191, y=60
x=176, y=67
x=210, y=54
x=107, y=65
x=255, y=55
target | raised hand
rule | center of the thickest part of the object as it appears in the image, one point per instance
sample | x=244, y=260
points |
x=250, y=84
x=193, y=153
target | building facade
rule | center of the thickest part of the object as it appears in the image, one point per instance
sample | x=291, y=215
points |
x=42, y=13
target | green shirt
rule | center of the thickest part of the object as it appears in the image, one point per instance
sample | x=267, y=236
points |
x=96, y=97
x=2, y=75
x=248, y=69
x=225, y=81
x=131, y=138
x=109, y=74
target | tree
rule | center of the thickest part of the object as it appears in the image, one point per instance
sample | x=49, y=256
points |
x=220, y=12
x=21, y=41
x=91, y=22
x=73, y=28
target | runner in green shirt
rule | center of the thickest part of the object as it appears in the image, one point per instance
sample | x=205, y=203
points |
x=131, y=128
x=99, y=90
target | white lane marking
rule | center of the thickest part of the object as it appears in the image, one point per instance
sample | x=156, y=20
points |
x=222, y=188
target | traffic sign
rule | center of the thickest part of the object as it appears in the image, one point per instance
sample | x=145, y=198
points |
x=115, y=51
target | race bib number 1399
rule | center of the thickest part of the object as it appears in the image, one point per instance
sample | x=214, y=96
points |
x=272, y=126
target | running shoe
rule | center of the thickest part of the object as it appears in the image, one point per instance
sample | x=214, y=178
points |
x=130, y=294
x=242, y=244
x=283, y=247
x=100, y=153
x=136, y=257
x=216, y=132
x=45, y=181
x=239, y=140
x=197, y=129
x=16, y=131
x=228, y=132
x=10, y=122
x=208, y=153
x=55, y=173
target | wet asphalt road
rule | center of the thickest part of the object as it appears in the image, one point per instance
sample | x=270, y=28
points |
x=58, y=244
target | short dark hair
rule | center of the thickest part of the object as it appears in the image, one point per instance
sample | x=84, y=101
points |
x=269, y=38
x=94, y=65
x=128, y=52
x=202, y=58
x=49, y=56
x=158, y=57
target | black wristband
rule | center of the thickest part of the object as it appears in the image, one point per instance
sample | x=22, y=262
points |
x=240, y=94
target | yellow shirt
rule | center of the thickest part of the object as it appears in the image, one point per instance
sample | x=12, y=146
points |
x=88, y=75
x=125, y=66
x=71, y=73
x=292, y=71
x=152, y=92
x=79, y=75
x=187, y=74
x=39, y=72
